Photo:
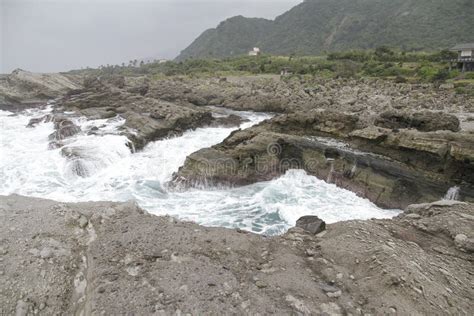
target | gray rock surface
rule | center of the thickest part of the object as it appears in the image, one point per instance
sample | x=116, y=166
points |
x=147, y=119
x=392, y=168
x=114, y=258
x=23, y=89
x=425, y=121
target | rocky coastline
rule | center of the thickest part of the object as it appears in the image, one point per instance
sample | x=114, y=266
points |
x=402, y=146
x=391, y=167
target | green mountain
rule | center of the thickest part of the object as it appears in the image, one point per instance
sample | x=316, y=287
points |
x=315, y=26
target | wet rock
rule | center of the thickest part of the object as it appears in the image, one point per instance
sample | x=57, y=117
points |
x=64, y=128
x=392, y=168
x=311, y=224
x=228, y=121
x=35, y=121
x=146, y=119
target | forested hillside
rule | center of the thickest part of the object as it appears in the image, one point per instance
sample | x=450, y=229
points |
x=316, y=26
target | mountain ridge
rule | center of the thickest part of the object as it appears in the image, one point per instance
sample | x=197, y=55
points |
x=316, y=26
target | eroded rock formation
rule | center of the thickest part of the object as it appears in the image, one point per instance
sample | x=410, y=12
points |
x=22, y=89
x=393, y=168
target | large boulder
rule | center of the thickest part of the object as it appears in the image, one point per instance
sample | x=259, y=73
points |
x=425, y=121
x=64, y=128
x=229, y=121
x=311, y=224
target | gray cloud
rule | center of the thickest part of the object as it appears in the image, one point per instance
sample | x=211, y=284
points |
x=58, y=35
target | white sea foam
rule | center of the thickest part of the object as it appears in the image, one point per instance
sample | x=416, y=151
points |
x=112, y=172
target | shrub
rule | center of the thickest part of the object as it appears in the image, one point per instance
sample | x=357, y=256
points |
x=441, y=76
x=347, y=69
x=468, y=90
x=427, y=72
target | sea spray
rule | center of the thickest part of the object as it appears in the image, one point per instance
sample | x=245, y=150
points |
x=110, y=171
x=453, y=193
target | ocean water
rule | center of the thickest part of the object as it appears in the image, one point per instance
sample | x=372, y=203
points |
x=111, y=172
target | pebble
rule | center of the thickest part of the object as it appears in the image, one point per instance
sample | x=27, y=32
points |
x=334, y=294
x=83, y=221
x=460, y=238
x=46, y=253
x=328, y=288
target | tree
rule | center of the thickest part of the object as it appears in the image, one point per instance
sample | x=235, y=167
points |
x=383, y=52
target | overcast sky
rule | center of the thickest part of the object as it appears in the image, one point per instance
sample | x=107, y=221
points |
x=59, y=35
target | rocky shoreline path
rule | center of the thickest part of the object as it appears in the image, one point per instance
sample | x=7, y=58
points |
x=114, y=258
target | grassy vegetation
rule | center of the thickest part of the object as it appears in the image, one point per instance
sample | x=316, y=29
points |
x=380, y=63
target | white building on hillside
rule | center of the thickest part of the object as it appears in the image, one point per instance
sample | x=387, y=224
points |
x=255, y=52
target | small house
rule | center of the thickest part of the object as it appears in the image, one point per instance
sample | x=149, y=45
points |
x=465, y=59
x=255, y=52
